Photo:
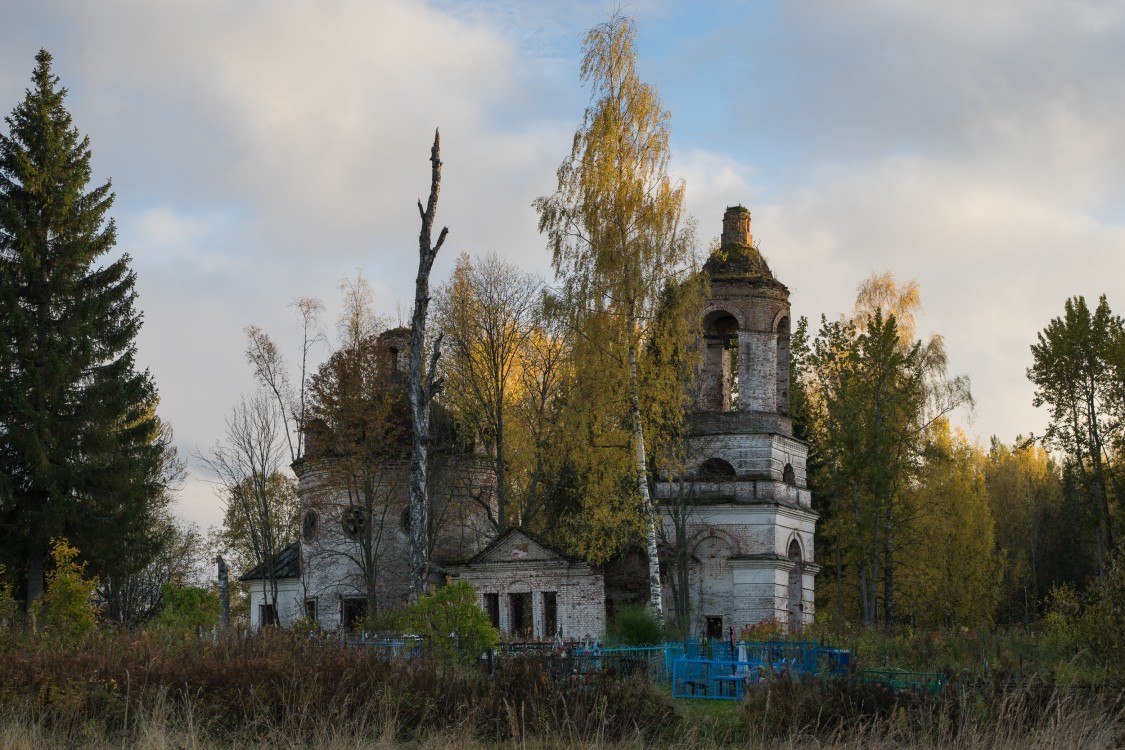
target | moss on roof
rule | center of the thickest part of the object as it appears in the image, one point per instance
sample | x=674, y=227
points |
x=738, y=261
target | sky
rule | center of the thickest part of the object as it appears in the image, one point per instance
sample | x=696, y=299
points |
x=262, y=150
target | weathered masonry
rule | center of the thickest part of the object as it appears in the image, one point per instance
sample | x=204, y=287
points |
x=743, y=507
x=530, y=590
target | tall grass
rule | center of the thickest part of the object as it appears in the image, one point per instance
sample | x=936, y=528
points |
x=149, y=690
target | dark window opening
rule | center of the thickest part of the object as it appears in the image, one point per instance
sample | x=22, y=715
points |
x=795, y=605
x=783, y=339
x=310, y=524
x=519, y=605
x=789, y=476
x=310, y=609
x=715, y=627
x=716, y=470
x=550, y=614
x=267, y=614
x=354, y=523
x=492, y=609
x=353, y=613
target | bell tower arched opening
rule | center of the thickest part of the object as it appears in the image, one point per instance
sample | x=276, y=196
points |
x=783, y=365
x=719, y=381
x=795, y=606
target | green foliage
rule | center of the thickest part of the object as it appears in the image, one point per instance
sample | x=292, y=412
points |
x=869, y=396
x=388, y=620
x=1079, y=375
x=1105, y=614
x=1039, y=540
x=68, y=610
x=190, y=608
x=951, y=576
x=635, y=625
x=9, y=607
x=451, y=623
x=79, y=451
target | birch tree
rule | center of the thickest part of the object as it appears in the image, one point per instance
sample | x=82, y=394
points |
x=272, y=373
x=617, y=230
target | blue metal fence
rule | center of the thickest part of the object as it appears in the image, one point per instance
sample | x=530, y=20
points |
x=714, y=680
x=704, y=668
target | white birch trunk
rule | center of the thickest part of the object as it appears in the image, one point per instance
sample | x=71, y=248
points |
x=655, y=595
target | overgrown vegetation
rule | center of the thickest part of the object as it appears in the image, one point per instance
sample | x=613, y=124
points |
x=67, y=611
x=274, y=684
x=634, y=625
x=144, y=689
x=451, y=624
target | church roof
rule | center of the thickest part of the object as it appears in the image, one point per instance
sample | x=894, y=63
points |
x=517, y=545
x=286, y=564
x=738, y=261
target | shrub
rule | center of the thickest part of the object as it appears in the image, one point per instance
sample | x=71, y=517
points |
x=451, y=623
x=9, y=607
x=1105, y=614
x=67, y=610
x=635, y=625
x=188, y=608
x=766, y=629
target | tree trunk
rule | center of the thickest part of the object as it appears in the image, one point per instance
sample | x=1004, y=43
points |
x=224, y=592
x=421, y=386
x=889, y=577
x=655, y=597
x=35, y=574
x=501, y=473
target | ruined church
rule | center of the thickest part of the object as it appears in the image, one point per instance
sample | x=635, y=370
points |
x=742, y=510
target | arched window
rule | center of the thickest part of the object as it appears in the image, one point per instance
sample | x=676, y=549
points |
x=719, y=381
x=782, y=398
x=795, y=606
x=789, y=476
x=716, y=470
x=310, y=525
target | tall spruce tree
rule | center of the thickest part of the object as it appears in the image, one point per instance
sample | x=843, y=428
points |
x=79, y=451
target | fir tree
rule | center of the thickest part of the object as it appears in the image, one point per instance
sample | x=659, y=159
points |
x=79, y=451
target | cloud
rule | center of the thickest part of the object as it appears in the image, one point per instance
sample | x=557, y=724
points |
x=261, y=150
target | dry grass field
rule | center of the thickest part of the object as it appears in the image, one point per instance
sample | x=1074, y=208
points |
x=152, y=690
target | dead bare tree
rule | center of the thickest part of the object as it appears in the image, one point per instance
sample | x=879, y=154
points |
x=422, y=385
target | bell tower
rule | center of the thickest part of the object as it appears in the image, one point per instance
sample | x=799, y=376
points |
x=743, y=497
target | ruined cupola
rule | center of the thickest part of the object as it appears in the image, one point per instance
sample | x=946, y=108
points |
x=736, y=257
x=746, y=330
